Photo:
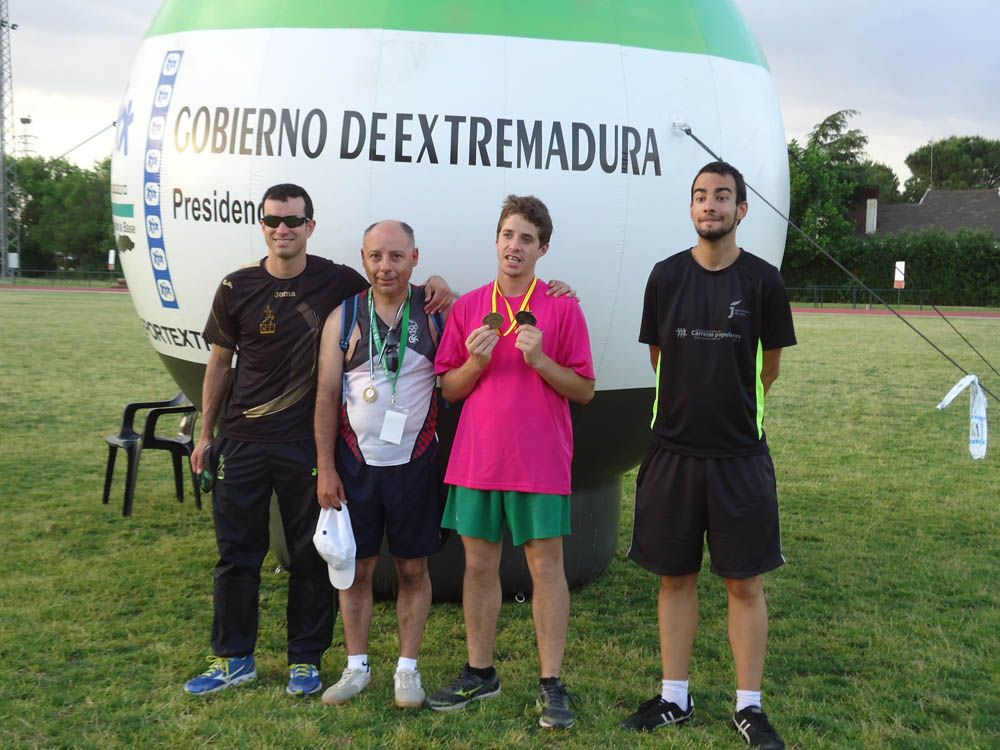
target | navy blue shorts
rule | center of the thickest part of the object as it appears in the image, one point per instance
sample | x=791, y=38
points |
x=681, y=500
x=403, y=503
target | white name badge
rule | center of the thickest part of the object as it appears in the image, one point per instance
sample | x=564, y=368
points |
x=392, y=426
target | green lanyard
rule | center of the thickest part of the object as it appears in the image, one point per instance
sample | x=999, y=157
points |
x=375, y=342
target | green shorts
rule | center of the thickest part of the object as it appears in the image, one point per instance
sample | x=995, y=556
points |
x=529, y=515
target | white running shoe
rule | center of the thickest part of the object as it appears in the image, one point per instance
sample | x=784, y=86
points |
x=351, y=682
x=409, y=692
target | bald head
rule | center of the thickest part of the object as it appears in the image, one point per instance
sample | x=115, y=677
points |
x=389, y=255
x=402, y=225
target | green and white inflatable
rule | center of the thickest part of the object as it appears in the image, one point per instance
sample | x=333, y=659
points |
x=432, y=111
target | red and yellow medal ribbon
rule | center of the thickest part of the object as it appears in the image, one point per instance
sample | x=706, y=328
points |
x=510, y=311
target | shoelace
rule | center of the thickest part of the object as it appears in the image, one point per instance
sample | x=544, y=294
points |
x=656, y=701
x=409, y=679
x=349, y=674
x=558, y=696
x=301, y=670
x=461, y=681
x=217, y=664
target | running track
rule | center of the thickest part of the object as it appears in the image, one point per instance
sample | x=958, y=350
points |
x=796, y=310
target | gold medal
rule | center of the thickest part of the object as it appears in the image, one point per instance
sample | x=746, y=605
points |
x=369, y=394
x=515, y=320
x=493, y=320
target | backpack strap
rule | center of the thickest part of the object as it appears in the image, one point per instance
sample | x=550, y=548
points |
x=438, y=321
x=347, y=326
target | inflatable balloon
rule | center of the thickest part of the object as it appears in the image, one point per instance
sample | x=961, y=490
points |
x=432, y=112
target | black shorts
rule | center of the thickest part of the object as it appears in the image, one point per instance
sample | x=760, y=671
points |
x=401, y=502
x=681, y=499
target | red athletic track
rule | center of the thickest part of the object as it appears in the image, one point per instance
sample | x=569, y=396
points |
x=796, y=310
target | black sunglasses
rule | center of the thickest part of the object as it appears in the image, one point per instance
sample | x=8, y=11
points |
x=391, y=350
x=292, y=222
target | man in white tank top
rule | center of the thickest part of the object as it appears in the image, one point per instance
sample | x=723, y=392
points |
x=375, y=420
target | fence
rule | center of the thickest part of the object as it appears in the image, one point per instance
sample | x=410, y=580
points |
x=97, y=279
x=855, y=295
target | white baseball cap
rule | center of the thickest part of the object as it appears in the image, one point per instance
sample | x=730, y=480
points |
x=334, y=540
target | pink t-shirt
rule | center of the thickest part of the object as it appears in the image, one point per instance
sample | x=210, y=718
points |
x=515, y=431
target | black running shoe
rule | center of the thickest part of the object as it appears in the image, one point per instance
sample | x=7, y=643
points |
x=753, y=725
x=554, y=701
x=466, y=688
x=656, y=713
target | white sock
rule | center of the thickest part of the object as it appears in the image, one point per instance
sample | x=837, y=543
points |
x=357, y=661
x=406, y=665
x=675, y=691
x=746, y=698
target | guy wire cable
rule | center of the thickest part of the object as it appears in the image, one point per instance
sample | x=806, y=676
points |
x=88, y=140
x=686, y=129
x=944, y=317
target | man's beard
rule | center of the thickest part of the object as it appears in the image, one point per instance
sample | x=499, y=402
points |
x=716, y=233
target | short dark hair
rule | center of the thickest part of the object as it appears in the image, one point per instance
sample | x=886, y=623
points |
x=282, y=192
x=401, y=224
x=723, y=168
x=532, y=209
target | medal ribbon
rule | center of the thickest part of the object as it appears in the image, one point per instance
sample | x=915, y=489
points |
x=375, y=342
x=510, y=312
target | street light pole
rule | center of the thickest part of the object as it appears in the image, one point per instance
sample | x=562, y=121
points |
x=10, y=242
x=26, y=137
x=932, y=164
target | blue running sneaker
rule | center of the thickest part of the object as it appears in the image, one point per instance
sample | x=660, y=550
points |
x=223, y=672
x=303, y=680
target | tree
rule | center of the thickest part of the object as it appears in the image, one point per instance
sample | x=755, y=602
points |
x=65, y=214
x=825, y=175
x=828, y=178
x=842, y=146
x=820, y=193
x=959, y=163
x=876, y=174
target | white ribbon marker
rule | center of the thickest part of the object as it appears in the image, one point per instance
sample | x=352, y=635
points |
x=977, y=413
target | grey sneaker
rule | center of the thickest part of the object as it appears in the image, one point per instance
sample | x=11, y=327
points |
x=554, y=702
x=351, y=682
x=409, y=692
x=465, y=689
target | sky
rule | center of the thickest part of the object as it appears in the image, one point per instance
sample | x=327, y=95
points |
x=916, y=70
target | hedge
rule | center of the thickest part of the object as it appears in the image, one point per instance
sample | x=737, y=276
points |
x=960, y=268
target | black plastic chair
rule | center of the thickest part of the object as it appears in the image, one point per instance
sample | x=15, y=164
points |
x=132, y=442
x=181, y=445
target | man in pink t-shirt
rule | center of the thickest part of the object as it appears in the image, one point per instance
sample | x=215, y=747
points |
x=517, y=356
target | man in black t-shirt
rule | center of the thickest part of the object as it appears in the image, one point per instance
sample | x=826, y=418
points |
x=715, y=319
x=271, y=314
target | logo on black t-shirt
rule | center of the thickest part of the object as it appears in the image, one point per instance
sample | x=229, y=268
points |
x=735, y=312
x=267, y=325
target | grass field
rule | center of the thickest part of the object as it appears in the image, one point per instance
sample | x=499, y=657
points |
x=885, y=624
